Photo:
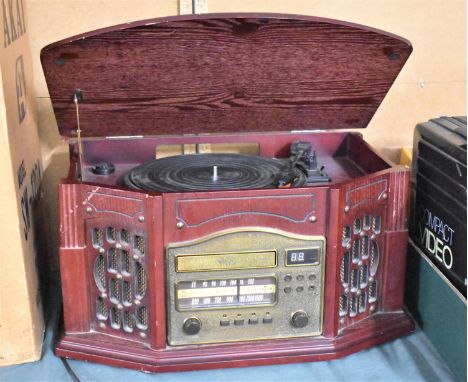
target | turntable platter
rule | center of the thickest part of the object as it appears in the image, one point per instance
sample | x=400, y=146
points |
x=205, y=172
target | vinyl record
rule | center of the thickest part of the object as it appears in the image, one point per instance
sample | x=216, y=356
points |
x=204, y=172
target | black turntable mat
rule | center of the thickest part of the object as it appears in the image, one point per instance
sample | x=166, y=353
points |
x=204, y=172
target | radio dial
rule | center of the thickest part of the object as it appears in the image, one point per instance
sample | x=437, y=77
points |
x=299, y=319
x=192, y=326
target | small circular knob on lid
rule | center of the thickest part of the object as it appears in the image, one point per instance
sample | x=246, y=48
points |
x=299, y=319
x=191, y=326
x=104, y=168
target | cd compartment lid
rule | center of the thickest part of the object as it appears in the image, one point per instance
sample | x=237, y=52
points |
x=222, y=73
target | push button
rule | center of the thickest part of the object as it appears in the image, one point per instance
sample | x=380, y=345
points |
x=238, y=320
x=253, y=320
x=267, y=319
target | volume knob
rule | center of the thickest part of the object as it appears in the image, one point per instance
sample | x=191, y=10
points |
x=191, y=326
x=299, y=319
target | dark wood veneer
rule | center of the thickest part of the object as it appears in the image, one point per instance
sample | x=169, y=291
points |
x=376, y=330
x=226, y=74
x=222, y=73
x=383, y=192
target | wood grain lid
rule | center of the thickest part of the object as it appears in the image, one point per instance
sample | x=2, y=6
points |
x=222, y=73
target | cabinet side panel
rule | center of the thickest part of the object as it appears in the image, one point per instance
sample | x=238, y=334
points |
x=332, y=289
x=396, y=240
x=73, y=265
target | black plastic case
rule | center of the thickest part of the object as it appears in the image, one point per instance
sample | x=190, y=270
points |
x=438, y=216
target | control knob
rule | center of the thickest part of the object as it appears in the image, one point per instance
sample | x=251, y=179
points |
x=191, y=326
x=299, y=319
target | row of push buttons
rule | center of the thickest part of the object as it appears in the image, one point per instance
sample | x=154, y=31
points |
x=288, y=278
x=299, y=289
x=239, y=320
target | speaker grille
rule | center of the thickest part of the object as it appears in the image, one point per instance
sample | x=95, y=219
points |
x=343, y=305
x=111, y=234
x=127, y=293
x=128, y=321
x=126, y=262
x=362, y=302
x=363, y=276
x=357, y=226
x=354, y=280
x=112, y=259
x=353, y=306
x=100, y=273
x=139, y=243
x=98, y=237
x=124, y=236
x=114, y=291
x=346, y=237
x=373, y=291
x=140, y=280
x=115, y=318
x=356, y=254
x=367, y=222
x=374, y=259
x=344, y=270
x=376, y=222
x=359, y=267
x=365, y=247
x=142, y=318
x=120, y=278
x=101, y=309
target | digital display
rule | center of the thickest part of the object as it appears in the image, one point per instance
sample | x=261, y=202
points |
x=225, y=293
x=309, y=256
x=222, y=261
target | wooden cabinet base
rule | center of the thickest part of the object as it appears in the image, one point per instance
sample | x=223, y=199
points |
x=99, y=348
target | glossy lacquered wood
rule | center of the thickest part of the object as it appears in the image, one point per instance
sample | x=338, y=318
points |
x=376, y=330
x=332, y=205
x=222, y=73
x=225, y=75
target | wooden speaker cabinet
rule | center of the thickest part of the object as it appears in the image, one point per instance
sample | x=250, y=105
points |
x=212, y=277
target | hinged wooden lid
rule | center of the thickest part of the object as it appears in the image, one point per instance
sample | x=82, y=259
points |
x=222, y=73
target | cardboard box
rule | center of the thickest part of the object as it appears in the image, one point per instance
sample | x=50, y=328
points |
x=21, y=318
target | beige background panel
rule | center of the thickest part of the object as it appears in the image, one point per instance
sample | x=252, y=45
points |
x=432, y=83
x=410, y=103
x=437, y=30
x=53, y=20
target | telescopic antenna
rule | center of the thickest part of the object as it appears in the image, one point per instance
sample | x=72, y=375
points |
x=77, y=97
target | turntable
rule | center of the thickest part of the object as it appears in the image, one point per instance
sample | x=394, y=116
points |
x=215, y=213
x=205, y=172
